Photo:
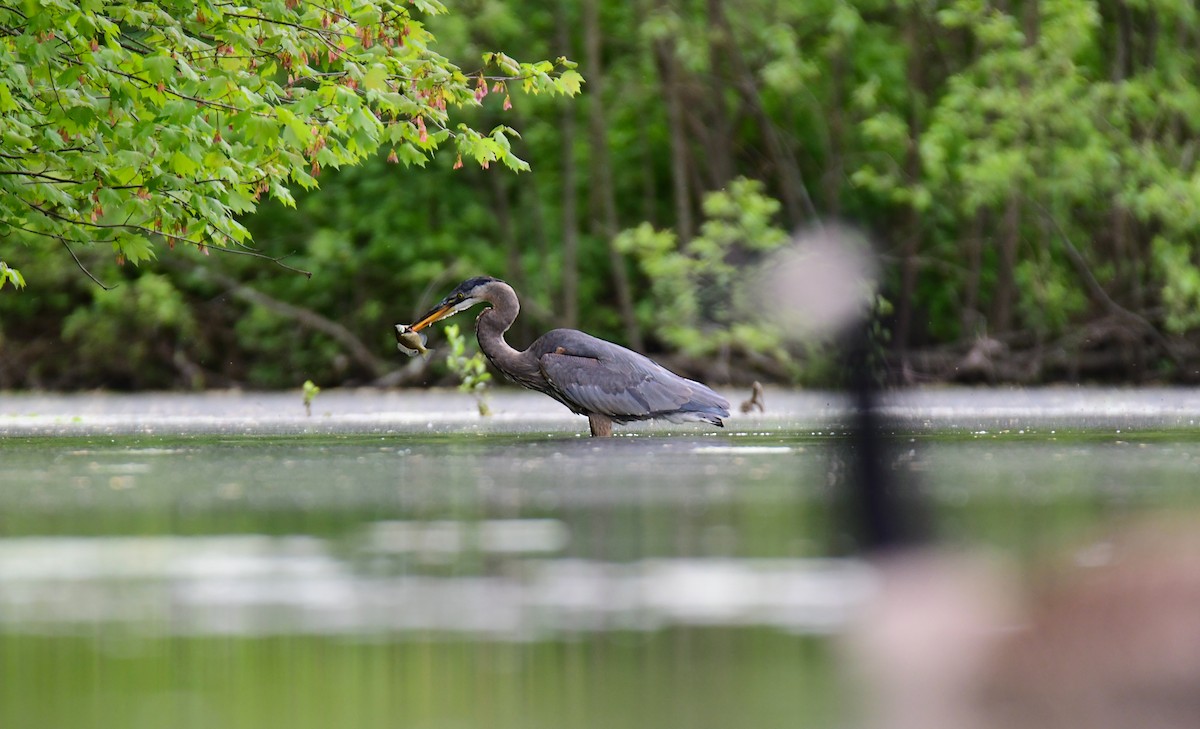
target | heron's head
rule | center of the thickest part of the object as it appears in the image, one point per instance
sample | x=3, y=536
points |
x=467, y=294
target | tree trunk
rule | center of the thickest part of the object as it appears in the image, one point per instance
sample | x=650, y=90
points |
x=912, y=228
x=646, y=148
x=970, y=311
x=1005, y=294
x=602, y=171
x=834, y=166
x=570, y=216
x=668, y=69
x=798, y=206
x=1122, y=62
x=718, y=152
x=1031, y=21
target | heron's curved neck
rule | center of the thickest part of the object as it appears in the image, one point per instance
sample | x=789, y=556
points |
x=491, y=326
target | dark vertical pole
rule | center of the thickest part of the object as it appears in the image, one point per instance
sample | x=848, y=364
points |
x=881, y=502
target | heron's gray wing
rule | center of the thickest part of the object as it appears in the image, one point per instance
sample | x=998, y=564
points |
x=596, y=376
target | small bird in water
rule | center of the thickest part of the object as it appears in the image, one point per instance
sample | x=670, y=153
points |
x=756, y=399
x=604, y=381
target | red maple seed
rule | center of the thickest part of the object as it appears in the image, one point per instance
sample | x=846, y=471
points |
x=392, y=156
x=458, y=162
x=507, y=102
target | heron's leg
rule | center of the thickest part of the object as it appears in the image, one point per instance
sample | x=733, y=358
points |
x=601, y=425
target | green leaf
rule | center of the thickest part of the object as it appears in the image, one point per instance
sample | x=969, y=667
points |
x=183, y=165
x=11, y=275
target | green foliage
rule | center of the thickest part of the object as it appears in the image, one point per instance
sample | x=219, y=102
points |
x=471, y=370
x=693, y=285
x=132, y=331
x=10, y=275
x=133, y=124
x=310, y=392
x=1042, y=126
x=1181, y=284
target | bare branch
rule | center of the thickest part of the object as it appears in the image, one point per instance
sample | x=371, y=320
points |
x=83, y=267
x=1080, y=264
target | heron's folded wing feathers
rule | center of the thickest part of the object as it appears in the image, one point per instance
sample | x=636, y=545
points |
x=621, y=387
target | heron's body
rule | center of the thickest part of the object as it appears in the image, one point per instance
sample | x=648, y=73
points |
x=604, y=381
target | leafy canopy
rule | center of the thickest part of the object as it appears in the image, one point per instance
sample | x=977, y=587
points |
x=136, y=123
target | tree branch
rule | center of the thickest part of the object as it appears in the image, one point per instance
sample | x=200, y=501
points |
x=306, y=318
x=1079, y=263
x=82, y=267
x=277, y=260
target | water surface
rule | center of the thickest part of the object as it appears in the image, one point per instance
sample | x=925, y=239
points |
x=395, y=561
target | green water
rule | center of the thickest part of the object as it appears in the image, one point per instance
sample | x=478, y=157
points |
x=690, y=678
x=350, y=581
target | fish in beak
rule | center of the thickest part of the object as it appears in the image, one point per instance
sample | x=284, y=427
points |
x=410, y=339
x=411, y=342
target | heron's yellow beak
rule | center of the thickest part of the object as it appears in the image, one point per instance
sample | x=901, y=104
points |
x=448, y=307
x=441, y=312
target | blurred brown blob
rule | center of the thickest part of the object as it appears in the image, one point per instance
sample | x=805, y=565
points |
x=1111, y=641
x=921, y=647
x=1109, y=646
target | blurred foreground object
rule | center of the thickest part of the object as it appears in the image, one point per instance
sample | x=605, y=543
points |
x=1111, y=642
x=950, y=640
x=819, y=285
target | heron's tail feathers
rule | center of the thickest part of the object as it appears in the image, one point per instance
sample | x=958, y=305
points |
x=704, y=406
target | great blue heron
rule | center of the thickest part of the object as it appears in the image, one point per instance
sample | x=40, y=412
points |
x=604, y=381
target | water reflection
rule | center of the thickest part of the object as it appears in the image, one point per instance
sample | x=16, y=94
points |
x=254, y=585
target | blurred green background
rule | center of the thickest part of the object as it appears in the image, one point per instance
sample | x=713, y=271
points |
x=1028, y=168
